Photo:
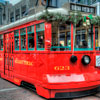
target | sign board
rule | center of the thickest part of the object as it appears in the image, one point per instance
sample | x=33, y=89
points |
x=98, y=61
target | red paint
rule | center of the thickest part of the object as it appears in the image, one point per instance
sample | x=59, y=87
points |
x=19, y=41
x=26, y=40
x=50, y=72
x=72, y=36
x=35, y=37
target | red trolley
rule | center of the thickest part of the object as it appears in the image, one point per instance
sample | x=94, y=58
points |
x=59, y=64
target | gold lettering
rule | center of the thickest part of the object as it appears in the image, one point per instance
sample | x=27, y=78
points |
x=24, y=62
x=62, y=68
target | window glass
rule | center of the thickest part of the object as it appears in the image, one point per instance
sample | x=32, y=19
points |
x=30, y=31
x=92, y=10
x=12, y=17
x=78, y=8
x=40, y=27
x=51, y=3
x=60, y=3
x=72, y=7
x=17, y=12
x=84, y=9
x=40, y=36
x=23, y=9
x=83, y=39
x=88, y=9
x=97, y=43
x=16, y=36
x=23, y=38
x=61, y=39
x=1, y=42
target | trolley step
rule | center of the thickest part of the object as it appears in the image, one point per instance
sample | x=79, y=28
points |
x=28, y=85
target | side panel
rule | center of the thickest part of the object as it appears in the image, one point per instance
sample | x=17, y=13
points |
x=1, y=62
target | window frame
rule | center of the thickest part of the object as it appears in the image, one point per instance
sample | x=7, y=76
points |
x=97, y=48
x=21, y=34
x=82, y=49
x=1, y=39
x=37, y=31
x=30, y=49
x=15, y=42
x=66, y=32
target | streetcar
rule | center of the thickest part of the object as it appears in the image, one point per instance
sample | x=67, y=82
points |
x=55, y=65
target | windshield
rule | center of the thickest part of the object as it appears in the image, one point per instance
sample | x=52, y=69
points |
x=83, y=38
x=61, y=37
x=97, y=39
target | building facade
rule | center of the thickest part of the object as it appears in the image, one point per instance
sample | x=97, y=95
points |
x=2, y=11
x=10, y=13
x=4, y=7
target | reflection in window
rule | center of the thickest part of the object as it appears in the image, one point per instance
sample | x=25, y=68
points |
x=40, y=36
x=61, y=39
x=23, y=38
x=83, y=39
x=30, y=31
x=16, y=36
x=1, y=42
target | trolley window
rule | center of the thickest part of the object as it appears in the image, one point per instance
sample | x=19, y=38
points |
x=97, y=39
x=16, y=36
x=40, y=36
x=1, y=42
x=61, y=37
x=83, y=39
x=23, y=38
x=30, y=31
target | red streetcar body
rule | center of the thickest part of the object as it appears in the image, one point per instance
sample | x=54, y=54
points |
x=51, y=72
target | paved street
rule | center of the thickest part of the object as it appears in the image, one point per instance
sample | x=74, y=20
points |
x=9, y=91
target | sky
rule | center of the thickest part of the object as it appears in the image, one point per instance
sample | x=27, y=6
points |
x=13, y=1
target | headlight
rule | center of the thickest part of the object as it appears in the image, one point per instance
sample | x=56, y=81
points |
x=73, y=58
x=86, y=60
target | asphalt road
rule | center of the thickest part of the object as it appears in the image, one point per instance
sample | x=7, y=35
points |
x=9, y=91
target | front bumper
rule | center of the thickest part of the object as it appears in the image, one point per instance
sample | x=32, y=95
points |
x=76, y=94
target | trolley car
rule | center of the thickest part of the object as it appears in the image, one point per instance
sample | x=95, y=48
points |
x=63, y=65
